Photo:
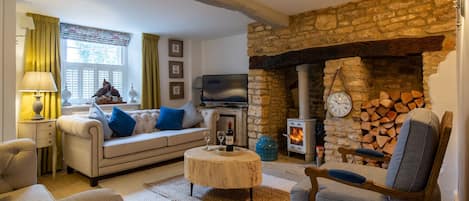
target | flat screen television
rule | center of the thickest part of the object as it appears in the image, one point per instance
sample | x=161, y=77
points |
x=225, y=89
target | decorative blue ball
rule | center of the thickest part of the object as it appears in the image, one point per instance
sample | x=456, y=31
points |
x=267, y=148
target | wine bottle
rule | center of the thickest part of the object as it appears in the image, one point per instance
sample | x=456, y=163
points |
x=229, y=139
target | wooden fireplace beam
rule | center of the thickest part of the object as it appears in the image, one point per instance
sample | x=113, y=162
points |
x=382, y=48
x=254, y=10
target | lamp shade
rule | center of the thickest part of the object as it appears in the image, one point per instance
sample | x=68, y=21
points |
x=38, y=82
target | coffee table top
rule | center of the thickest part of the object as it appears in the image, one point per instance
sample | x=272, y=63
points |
x=241, y=169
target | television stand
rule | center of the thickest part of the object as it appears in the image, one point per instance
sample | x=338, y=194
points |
x=237, y=115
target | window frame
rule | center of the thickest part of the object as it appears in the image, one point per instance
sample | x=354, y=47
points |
x=96, y=68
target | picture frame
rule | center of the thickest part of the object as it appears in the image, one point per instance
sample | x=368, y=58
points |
x=176, y=69
x=176, y=90
x=175, y=48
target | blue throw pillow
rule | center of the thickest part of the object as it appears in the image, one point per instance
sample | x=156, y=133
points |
x=170, y=119
x=121, y=123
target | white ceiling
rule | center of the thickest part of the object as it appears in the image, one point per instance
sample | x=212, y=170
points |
x=176, y=18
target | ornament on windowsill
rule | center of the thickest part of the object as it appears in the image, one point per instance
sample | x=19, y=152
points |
x=132, y=93
x=107, y=94
x=66, y=95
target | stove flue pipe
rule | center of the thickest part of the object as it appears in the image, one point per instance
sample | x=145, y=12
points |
x=303, y=90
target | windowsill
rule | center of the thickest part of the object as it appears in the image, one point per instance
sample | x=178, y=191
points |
x=84, y=108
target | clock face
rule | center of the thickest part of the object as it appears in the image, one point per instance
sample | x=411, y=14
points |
x=339, y=104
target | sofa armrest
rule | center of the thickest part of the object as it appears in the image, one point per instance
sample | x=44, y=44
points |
x=79, y=126
x=95, y=195
x=18, y=167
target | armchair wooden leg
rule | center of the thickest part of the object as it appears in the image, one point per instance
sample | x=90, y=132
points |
x=314, y=183
x=94, y=181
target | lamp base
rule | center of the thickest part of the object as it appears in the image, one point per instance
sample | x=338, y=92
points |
x=37, y=108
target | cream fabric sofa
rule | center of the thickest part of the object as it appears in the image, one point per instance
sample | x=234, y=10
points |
x=85, y=150
x=18, y=180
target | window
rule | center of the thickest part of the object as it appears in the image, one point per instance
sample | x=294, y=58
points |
x=86, y=64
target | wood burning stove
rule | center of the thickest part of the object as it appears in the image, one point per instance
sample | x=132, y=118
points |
x=301, y=137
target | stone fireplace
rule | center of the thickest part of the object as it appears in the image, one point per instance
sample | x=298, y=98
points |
x=380, y=45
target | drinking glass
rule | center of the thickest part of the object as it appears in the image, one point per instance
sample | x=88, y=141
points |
x=207, y=139
x=221, y=136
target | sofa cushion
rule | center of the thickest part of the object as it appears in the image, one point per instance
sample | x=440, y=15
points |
x=413, y=157
x=35, y=192
x=133, y=144
x=191, y=116
x=176, y=137
x=170, y=119
x=97, y=113
x=145, y=120
x=121, y=123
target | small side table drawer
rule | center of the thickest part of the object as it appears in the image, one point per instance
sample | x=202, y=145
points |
x=46, y=126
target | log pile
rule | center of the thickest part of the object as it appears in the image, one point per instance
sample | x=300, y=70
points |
x=382, y=118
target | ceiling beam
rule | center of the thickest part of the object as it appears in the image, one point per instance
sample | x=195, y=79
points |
x=382, y=48
x=254, y=10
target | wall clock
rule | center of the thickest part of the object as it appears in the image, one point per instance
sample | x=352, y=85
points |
x=339, y=104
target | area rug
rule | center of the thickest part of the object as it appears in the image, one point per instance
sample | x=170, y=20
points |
x=166, y=183
x=177, y=188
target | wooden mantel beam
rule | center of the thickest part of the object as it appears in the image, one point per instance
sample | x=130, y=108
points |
x=382, y=48
x=254, y=10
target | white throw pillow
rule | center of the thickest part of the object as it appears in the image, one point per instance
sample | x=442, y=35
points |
x=191, y=116
x=98, y=114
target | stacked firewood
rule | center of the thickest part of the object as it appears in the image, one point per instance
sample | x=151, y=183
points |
x=381, y=120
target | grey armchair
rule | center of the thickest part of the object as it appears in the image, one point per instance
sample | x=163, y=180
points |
x=18, y=180
x=412, y=174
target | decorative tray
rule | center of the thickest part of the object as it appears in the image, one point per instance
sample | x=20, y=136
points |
x=222, y=151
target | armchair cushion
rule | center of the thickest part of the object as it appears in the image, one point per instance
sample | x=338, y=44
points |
x=37, y=192
x=370, y=152
x=413, y=157
x=348, y=176
x=17, y=164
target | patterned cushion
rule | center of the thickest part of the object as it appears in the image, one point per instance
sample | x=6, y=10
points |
x=191, y=116
x=413, y=157
x=97, y=113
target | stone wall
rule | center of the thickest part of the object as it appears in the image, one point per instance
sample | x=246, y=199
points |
x=267, y=104
x=395, y=74
x=355, y=79
x=364, y=20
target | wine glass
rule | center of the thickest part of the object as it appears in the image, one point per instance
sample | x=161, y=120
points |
x=207, y=139
x=220, y=136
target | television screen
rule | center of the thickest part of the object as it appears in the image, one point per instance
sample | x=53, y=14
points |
x=225, y=88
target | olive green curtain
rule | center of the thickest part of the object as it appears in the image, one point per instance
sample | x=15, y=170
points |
x=151, y=75
x=42, y=54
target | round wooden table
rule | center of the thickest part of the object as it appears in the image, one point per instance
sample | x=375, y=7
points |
x=222, y=170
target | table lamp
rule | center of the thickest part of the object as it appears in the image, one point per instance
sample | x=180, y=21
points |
x=38, y=82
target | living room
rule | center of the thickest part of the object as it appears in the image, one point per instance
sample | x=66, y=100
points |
x=133, y=99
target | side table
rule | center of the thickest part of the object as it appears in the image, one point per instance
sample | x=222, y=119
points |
x=43, y=133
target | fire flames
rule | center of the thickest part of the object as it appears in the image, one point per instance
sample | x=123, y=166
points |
x=296, y=136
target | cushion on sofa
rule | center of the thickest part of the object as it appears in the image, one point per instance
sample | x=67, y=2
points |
x=170, y=119
x=133, y=144
x=412, y=160
x=37, y=192
x=191, y=116
x=121, y=123
x=176, y=137
x=145, y=120
x=97, y=113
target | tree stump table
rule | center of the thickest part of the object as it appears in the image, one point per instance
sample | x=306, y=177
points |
x=222, y=170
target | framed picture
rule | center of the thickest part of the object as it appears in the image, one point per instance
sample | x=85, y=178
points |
x=176, y=69
x=175, y=48
x=176, y=90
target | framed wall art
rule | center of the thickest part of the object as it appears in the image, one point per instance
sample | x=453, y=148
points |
x=176, y=69
x=175, y=48
x=176, y=90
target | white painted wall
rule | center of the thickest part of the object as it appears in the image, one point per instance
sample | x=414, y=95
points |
x=227, y=55
x=191, y=59
x=7, y=71
x=463, y=108
x=134, y=66
x=443, y=93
